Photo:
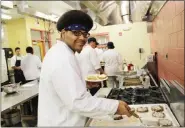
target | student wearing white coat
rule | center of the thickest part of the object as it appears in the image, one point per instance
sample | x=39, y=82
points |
x=89, y=61
x=31, y=65
x=99, y=52
x=63, y=96
x=112, y=61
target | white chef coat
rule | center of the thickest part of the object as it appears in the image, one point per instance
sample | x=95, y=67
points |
x=14, y=58
x=112, y=61
x=63, y=97
x=30, y=66
x=99, y=53
x=89, y=61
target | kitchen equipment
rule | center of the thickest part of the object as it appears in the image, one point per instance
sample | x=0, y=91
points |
x=126, y=121
x=13, y=117
x=11, y=88
x=138, y=95
x=130, y=66
x=131, y=77
x=132, y=81
x=147, y=116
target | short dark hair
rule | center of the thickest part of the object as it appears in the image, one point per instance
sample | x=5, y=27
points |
x=110, y=45
x=17, y=48
x=29, y=50
x=74, y=17
x=92, y=39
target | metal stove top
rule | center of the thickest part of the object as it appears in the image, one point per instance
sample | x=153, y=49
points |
x=150, y=95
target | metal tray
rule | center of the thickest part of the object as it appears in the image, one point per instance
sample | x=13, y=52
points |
x=144, y=116
x=148, y=115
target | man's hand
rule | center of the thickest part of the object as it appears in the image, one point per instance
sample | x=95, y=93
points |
x=123, y=109
x=18, y=68
x=92, y=84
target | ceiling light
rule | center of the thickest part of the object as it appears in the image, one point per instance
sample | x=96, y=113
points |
x=4, y=16
x=41, y=15
x=51, y=17
x=8, y=4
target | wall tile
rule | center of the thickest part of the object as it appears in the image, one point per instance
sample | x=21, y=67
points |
x=181, y=56
x=173, y=77
x=173, y=55
x=176, y=69
x=168, y=37
x=169, y=10
x=179, y=7
x=173, y=40
x=180, y=39
x=177, y=23
x=182, y=18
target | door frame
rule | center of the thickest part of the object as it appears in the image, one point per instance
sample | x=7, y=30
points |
x=42, y=40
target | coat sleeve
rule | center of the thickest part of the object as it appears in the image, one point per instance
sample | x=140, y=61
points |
x=13, y=61
x=23, y=66
x=94, y=59
x=72, y=92
x=39, y=63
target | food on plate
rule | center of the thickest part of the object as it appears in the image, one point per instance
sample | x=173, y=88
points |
x=92, y=78
x=102, y=76
x=158, y=114
x=165, y=122
x=157, y=108
x=142, y=109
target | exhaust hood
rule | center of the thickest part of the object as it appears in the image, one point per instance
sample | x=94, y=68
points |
x=121, y=12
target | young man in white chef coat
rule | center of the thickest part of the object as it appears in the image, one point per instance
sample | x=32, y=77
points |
x=99, y=52
x=112, y=61
x=89, y=61
x=63, y=96
x=31, y=65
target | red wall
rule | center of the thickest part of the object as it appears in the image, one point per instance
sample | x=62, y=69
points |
x=168, y=38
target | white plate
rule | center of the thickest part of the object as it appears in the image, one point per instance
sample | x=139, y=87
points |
x=98, y=80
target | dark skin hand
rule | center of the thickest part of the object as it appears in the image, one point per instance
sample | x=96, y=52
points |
x=123, y=109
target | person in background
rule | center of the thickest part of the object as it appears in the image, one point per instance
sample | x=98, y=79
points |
x=99, y=52
x=89, y=61
x=63, y=96
x=15, y=64
x=113, y=61
x=31, y=65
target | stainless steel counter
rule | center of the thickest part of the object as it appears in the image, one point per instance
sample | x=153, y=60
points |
x=103, y=92
x=25, y=93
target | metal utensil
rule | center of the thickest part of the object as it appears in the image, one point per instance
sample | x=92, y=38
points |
x=137, y=116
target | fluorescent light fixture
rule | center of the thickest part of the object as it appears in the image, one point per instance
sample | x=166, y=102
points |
x=41, y=15
x=8, y=4
x=4, y=16
x=51, y=17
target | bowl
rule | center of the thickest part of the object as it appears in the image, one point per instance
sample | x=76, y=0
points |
x=10, y=88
